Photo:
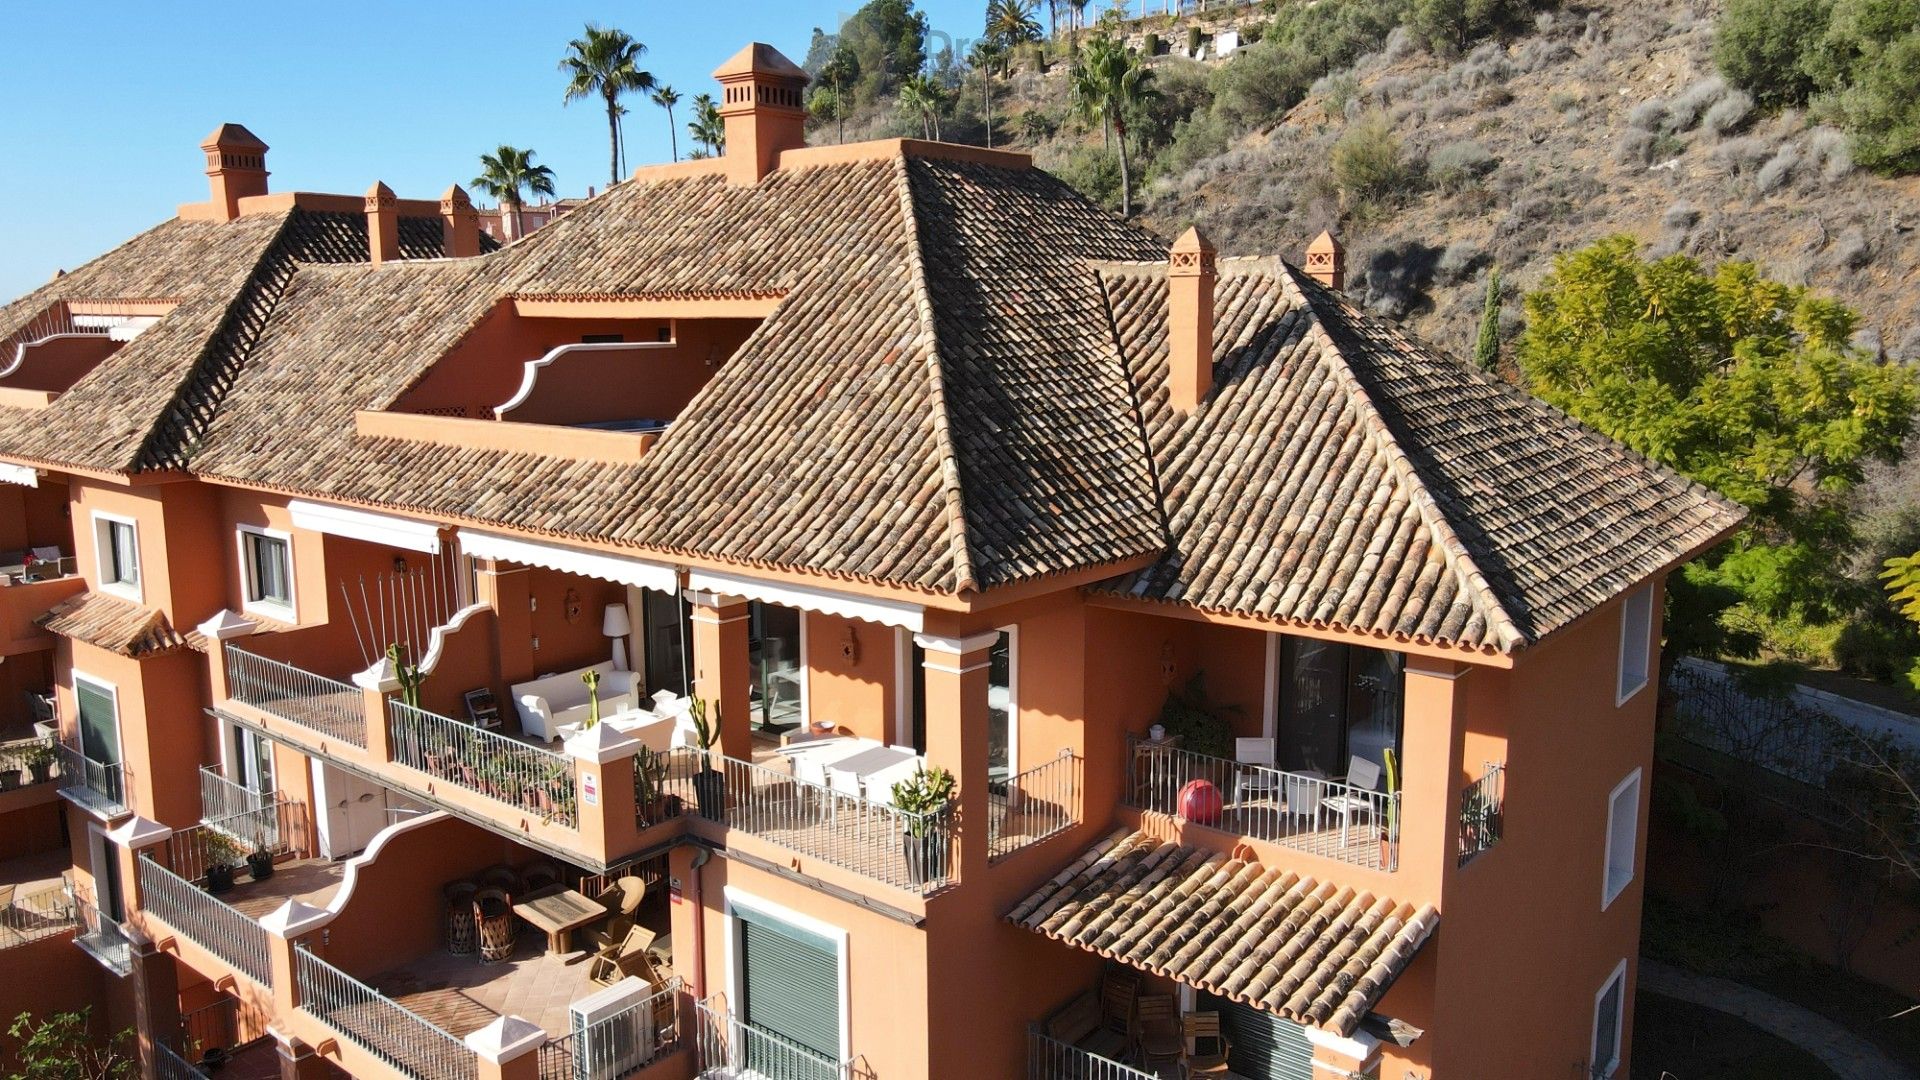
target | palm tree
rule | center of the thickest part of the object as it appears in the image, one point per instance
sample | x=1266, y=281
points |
x=986, y=57
x=839, y=70
x=923, y=97
x=667, y=97
x=507, y=172
x=605, y=62
x=707, y=128
x=1011, y=22
x=1107, y=84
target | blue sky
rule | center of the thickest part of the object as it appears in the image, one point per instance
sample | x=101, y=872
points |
x=103, y=106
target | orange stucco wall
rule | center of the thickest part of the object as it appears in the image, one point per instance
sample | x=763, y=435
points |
x=53, y=976
x=34, y=517
x=163, y=736
x=59, y=362
x=858, y=694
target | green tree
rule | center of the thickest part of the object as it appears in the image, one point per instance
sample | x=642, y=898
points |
x=1758, y=45
x=1449, y=26
x=1108, y=85
x=1869, y=64
x=62, y=1048
x=1010, y=23
x=507, y=173
x=605, y=62
x=888, y=40
x=708, y=129
x=667, y=97
x=840, y=71
x=1486, y=348
x=1744, y=384
x=986, y=57
x=922, y=97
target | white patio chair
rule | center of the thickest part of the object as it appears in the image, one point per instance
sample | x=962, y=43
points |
x=1261, y=780
x=1362, y=775
x=880, y=784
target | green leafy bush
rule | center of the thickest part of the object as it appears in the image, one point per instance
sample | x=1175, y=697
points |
x=1368, y=163
x=1758, y=44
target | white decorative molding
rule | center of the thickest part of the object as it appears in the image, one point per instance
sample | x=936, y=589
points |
x=437, y=640
x=1360, y=1046
x=227, y=625
x=602, y=743
x=530, y=374
x=138, y=832
x=23, y=475
x=569, y=560
x=366, y=525
x=295, y=919
x=807, y=598
x=351, y=876
x=507, y=1038
x=959, y=646
x=382, y=676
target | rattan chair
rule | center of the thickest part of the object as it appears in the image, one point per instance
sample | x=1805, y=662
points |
x=462, y=938
x=493, y=916
x=539, y=875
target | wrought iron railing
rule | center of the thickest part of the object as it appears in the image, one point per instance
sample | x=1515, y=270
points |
x=35, y=915
x=1050, y=1059
x=325, y=706
x=1033, y=805
x=277, y=829
x=26, y=762
x=203, y=919
x=169, y=1065
x=100, y=784
x=893, y=846
x=102, y=938
x=223, y=1024
x=1482, y=811
x=726, y=1046
x=1318, y=815
x=378, y=1024
x=618, y=1045
x=503, y=768
x=223, y=798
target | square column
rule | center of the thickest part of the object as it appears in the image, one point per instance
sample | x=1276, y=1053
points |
x=723, y=669
x=508, y=591
x=957, y=672
x=1430, y=766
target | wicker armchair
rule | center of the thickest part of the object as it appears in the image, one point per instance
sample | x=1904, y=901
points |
x=493, y=915
x=462, y=937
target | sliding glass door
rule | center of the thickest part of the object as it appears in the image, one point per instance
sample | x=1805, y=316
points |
x=775, y=651
x=668, y=633
x=1336, y=702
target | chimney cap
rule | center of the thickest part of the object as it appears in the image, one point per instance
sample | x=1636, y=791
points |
x=232, y=137
x=380, y=195
x=759, y=58
x=455, y=198
x=1194, y=240
x=1326, y=244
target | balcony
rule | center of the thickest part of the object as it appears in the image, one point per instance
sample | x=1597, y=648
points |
x=325, y=707
x=35, y=913
x=728, y=1048
x=96, y=786
x=29, y=590
x=1049, y=1058
x=1313, y=814
x=377, y=1024
x=1483, y=812
x=102, y=937
x=237, y=941
x=28, y=763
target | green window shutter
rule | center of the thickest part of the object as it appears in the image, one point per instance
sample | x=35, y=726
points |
x=792, y=984
x=99, y=733
x=1264, y=1045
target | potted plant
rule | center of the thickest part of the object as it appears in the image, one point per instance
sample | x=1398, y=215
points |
x=409, y=675
x=222, y=854
x=925, y=797
x=260, y=859
x=709, y=784
x=650, y=801
x=39, y=760
x=1201, y=726
x=9, y=770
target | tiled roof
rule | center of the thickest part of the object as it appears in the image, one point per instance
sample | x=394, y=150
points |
x=1314, y=952
x=148, y=407
x=1341, y=474
x=111, y=623
x=936, y=403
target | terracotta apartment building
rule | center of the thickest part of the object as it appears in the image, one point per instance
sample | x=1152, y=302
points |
x=375, y=593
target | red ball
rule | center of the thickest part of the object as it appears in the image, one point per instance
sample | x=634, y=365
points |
x=1200, y=802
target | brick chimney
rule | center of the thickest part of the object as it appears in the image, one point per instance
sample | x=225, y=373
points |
x=1191, y=274
x=236, y=167
x=762, y=104
x=383, y=224
x=459, y=224
x=1327, y=261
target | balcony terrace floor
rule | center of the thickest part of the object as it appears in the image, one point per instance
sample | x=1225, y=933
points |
x=310, y=881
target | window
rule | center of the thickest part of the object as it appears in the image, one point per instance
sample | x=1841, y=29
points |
x=1623, y=832
x=668, y=630
x=1336, y=702
x=251, y=762
x=1609, y=1008
x=99, y=719
x=1003, y=724
x=1636, y=641
x=266, y=570
x=787, y=979
x=118, y=544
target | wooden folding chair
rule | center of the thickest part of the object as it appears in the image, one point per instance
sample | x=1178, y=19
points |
x=1207, y=1048
x=1161, y=1040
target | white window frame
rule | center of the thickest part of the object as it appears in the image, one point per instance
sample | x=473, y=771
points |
x=103, y=522
x=1643, y=648
x=736, y=973
x=1609, y=891
x=1013, y=697
x=288, y=612
x=1607, y=1070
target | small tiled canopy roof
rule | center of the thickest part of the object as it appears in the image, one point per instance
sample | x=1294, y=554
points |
x=113, y=624
x=1313, y=952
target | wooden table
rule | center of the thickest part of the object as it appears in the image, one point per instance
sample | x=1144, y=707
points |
x=559, y=913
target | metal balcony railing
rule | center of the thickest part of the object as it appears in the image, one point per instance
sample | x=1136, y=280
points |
x=1050, y=1059
x=275, y=829
x=35, y=915
x=102, y=938
x=378, y=1024
x=618, y=1045
x=1033, y=805
x=99, y=785
x=892, y=846
x=203, y=919
x=728, y=1047
x=1482, y=811
x=502, y=768
x=169, y=1065
x=1314, y=814
x=223, y=798
x=26, y=762
x=325, y=706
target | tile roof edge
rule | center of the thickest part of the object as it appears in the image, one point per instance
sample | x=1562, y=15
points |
x=1458, y=556
x=1107, y=591
x=951, y=490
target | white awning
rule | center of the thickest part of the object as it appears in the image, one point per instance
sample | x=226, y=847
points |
x=23, y=475
x=594, y=564
x=366, y=525
x=825, y=601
